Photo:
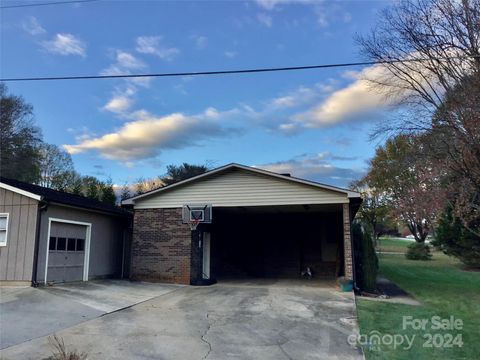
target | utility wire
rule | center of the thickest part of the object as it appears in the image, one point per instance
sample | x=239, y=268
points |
x=45, y=4
x=227, y=72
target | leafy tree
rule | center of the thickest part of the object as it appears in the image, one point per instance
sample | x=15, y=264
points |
x=56, y=166
x=375, y=212
x=107, y=192
x=19, y=139
x=454, y=142
x=409, y=183
x=455, y=239
x=176, y=173
x=74, y=183
x=91, y=187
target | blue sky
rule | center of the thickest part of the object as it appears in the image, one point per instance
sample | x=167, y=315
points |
x=314, y=124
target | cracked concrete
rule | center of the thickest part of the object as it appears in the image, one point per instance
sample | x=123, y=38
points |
x=244, y=321
x=205, y=340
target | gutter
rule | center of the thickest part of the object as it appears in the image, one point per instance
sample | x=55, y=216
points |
x=42, y=206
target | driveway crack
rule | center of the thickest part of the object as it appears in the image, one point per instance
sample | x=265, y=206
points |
x=204, y=339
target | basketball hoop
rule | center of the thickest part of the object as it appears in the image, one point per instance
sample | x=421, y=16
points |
x=193, y=223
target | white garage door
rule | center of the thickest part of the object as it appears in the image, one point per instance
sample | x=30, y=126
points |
x=66, y=252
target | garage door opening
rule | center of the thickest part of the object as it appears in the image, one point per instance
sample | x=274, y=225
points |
x=275, y=242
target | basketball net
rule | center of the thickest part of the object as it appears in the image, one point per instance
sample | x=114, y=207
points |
x=193, y=224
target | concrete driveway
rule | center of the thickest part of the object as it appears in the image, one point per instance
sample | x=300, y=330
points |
x=28, y=313
x=242, y=320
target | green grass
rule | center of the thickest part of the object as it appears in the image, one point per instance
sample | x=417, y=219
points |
x=390, y=244
x=443, y=288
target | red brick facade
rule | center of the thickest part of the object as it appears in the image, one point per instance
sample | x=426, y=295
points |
x=161, y=247
x=347, y=242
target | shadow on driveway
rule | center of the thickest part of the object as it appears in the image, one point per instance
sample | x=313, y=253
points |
x=28, y=313
x=242, y=321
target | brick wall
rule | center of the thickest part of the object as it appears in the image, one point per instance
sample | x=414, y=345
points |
x=347, y=242
x=161, y=248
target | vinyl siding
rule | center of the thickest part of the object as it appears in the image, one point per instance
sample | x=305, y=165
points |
x=241, y=188
x=16, y=259
x=105, y=243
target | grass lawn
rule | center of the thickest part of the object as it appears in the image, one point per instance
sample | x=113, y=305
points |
x=390, y=244
x=444, y=290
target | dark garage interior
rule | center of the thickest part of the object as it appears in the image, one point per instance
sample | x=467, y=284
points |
x=276, y=241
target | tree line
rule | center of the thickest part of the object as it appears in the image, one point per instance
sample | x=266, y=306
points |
x=175, y=173
x=427, y=174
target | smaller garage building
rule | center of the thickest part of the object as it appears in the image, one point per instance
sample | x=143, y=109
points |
x=48, y=236
x=264, y=225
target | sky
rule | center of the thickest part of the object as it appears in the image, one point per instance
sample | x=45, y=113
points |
x=314, y=124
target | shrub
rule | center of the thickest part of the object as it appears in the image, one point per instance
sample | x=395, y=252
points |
x=456, y=240
x=366, y=261
x=418, y=251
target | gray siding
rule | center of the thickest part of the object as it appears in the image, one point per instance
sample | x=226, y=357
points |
x=16, y=259
x=241, y=188
x=105, y=243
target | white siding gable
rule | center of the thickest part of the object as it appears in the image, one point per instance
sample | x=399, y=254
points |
x=241, y=188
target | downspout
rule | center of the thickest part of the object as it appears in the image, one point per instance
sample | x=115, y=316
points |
x=41, y=207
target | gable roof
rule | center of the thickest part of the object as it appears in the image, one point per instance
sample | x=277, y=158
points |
x=41, y=193
x=349, y=193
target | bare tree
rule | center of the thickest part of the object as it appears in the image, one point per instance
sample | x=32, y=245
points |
x=443, y=35
x=143, y=185
x=56, y=166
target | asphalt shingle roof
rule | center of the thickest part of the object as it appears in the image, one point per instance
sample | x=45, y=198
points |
x=51, y=195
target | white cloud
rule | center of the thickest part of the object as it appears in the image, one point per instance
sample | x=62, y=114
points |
x=152, y=45
x=65, y=44
x=124, y=65
x=300, y=96
x=201, y=42
x=271, y=4
x=32, y=26
x=265, y=19
x=325, y=12
x=345, y=104
x=275, y=113
x=148, y=135
x=317, y=167
x=230, y=54
x=128, y=61
x=119, y=104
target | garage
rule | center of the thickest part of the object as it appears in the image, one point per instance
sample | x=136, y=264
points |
x=276, y=242
x=242, y=222
x=67, y=245
x=51, y=237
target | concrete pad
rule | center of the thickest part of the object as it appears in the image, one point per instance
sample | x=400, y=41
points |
x=28, y=313
x=394, y=293
x=217, y=322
